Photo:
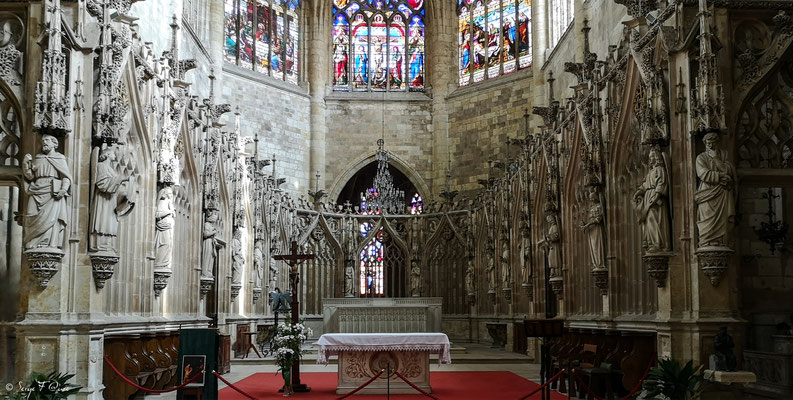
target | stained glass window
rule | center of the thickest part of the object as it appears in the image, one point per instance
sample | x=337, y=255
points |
x=263, y=35
x=378, y=45
x=494, y=38
x=561, y=15
x=416, y=204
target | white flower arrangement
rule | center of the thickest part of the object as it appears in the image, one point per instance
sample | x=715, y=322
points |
x=288, y=342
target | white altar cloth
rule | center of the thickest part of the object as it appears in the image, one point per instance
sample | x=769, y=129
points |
x=333, y=343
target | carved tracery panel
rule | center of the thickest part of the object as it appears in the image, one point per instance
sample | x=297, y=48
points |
x=765, y=128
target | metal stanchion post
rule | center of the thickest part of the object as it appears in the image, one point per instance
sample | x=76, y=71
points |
x=388, y=381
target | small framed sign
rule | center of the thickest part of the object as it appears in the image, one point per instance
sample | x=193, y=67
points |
x=193, y=365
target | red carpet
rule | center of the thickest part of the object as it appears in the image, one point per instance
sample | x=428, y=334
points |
x=445, y=386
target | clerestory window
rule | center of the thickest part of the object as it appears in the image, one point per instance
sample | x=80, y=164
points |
x=262, y=35
x=378, y=45
x=494, y=38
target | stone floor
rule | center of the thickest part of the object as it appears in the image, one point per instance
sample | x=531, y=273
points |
x=465, y=357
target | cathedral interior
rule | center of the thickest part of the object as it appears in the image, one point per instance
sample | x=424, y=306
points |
x=622, y=166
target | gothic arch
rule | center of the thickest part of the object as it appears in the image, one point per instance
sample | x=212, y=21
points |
x=366, y=159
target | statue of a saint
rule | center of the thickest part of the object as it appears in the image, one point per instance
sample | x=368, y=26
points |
x=490, y=270
x=715, y=196
x=211, y=244
x=552, y=241
x=506, y=271
x=594, y=231
x=237, y=258
x=651, y=202
x=258, y=260
x=164, y=223
x=48, y=180
x=415, y=278
x=469, y=277
x=106, y=201
x=349, y=278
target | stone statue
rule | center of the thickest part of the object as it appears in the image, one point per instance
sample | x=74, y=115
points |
x=9, y=55
x=108, y=201
x=723, y=357
x=490, y=270
x=415, y=278
x=237, y=258
x=48, y=180
x=715, y=196
x=552, y=238
x=258, y=260
x=349, y=278
x=469, y=277
x=593, y=227
x=211, y=244
x=506, y=271
x=651, y=203
x=164, y=219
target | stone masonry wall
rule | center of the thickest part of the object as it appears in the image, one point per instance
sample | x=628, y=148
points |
x=481, y=118
x=281, y=117
x=355, y=124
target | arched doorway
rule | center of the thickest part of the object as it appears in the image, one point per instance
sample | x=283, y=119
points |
x=383, y=265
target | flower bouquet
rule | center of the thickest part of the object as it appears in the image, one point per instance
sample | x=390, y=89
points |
x=287, y=347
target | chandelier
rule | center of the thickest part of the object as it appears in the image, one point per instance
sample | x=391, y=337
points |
x=383, y=196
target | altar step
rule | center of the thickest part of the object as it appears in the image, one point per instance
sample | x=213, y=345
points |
x=466, y=353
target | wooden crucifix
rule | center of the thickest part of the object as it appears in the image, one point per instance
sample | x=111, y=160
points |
x=293, y=260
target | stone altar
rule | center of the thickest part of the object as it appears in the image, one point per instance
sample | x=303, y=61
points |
x=363, y=356
x=382, y=315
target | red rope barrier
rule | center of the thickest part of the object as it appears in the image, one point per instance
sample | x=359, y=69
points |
x=414, y=386
x=641, y=381
x=588, y=390
x=554, y=378
x=233, y=387
x=362, y=386
x=113, y=367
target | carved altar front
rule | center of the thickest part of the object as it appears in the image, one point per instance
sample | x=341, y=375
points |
x=382, y=315
x=363, y=357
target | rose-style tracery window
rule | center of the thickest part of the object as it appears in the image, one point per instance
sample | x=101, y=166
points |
x=378, y=45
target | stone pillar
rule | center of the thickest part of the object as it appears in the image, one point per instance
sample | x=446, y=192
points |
x=441, y=67
x=318, y=16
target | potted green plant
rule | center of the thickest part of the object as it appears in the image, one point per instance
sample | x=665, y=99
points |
x=287, y=347
x=46, y=387
x=669, y=381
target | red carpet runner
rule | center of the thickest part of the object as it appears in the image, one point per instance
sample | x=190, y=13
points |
x=445, y=386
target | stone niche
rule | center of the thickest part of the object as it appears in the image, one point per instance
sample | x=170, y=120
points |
x=382, y=315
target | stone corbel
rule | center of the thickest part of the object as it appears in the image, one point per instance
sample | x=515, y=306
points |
x=714, y=261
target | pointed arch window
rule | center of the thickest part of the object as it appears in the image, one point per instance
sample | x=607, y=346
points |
x=561, y=16
x=263, y=35
x=378, y=45
x=494, y=38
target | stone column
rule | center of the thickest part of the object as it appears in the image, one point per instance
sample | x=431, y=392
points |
x=441, y=67
x=318, y=17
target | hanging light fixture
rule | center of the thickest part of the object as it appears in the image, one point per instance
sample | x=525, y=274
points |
x=383, y=196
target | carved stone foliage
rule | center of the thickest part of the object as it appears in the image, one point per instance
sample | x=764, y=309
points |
x=52, y=111
x=638, y=8
x=765, y=127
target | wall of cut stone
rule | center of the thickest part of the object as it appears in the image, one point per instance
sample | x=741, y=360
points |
x=356, y=123
x=481, y=118
x=279, y=114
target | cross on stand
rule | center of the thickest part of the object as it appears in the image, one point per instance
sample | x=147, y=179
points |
x=293, y=260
